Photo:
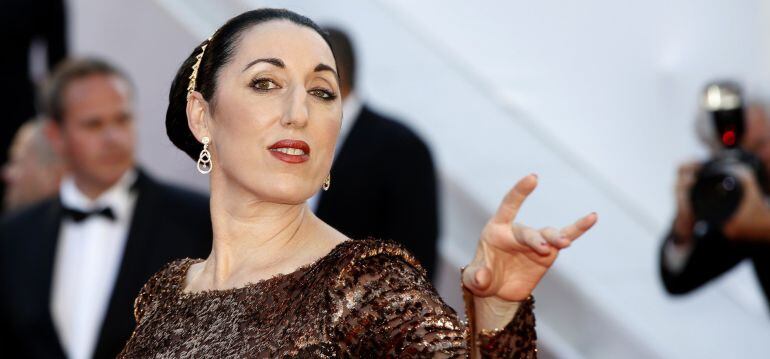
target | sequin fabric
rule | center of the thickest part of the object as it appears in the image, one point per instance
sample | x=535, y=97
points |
x=365, y=299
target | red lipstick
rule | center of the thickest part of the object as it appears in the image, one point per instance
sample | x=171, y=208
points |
x=291, y=151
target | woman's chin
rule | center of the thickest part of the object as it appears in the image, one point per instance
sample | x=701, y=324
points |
x=290, y=194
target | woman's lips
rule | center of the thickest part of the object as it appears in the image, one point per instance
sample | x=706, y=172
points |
x=291, y=151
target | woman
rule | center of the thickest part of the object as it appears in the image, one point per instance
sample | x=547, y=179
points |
x=257, y=105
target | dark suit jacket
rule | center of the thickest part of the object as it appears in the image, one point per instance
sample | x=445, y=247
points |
x=168, y=223
x=383, y=185
x=712, y=256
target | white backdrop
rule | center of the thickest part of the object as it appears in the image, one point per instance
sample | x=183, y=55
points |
x=597, y=97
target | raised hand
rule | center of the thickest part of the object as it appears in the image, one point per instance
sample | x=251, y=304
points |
x=511, y=258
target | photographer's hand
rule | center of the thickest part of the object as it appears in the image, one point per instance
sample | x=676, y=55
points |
x=751, y=222
x=685, y=219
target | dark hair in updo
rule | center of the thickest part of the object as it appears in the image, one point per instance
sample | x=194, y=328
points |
x=219, y=51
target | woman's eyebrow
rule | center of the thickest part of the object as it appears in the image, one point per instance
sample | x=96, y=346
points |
x=325, y=67
x=279, y=63
x=270, y=60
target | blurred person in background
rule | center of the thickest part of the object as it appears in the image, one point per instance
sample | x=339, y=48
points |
x=384, y=179
x=71, y=266
x=33, y=170
x=26, y=24
x=735, y=220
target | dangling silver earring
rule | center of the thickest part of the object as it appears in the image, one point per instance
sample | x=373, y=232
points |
x=204, y=164
x=327, y=182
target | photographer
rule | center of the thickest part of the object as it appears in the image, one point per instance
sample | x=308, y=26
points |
x=697, y=250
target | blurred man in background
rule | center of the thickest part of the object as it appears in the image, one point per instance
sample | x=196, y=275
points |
x=696, y=251
x=71, y=266
x=33, y=170
x=383, y=183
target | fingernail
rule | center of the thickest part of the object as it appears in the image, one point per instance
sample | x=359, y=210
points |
x=534, y=174
x=544, y=244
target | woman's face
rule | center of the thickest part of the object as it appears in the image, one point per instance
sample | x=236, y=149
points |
x=276, y=113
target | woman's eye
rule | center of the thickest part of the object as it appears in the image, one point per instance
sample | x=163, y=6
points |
x=323, y=94
x=263, y=84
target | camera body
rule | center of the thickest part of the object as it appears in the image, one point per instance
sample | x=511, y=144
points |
x=718, y=192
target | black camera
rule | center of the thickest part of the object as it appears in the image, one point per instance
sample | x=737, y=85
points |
x=718, y=192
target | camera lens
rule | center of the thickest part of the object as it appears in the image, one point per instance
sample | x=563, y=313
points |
x=728, y=183
x=716, y=194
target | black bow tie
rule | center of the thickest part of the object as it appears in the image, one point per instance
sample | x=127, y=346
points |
x=79, y=216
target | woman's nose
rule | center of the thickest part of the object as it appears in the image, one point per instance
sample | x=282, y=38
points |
x=296, y=114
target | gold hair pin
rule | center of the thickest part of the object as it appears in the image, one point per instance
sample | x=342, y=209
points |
x=194, y=75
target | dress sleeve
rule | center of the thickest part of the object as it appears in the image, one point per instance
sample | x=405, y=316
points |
x=140, y=303
x=389, y=309
x=160, y=283
x=517, y=339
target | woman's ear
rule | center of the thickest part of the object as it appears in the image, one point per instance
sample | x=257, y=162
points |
x=197, y=115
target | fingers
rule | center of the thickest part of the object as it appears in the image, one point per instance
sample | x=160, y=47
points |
x=512, y=202
x=686, y=176
x=531, y=238
x=742, y=172
x=689, y=168
x=553, y=237
x=752, y=192
x=575, y=230
x=477, y=279
x=746, y=176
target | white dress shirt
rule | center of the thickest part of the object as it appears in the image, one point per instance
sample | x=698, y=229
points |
x=88, y=258
x=351, y=108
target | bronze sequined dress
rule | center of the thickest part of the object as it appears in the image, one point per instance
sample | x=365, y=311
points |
x=365, y=299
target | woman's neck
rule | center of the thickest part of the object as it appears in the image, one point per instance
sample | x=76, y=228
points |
x=256, y=239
